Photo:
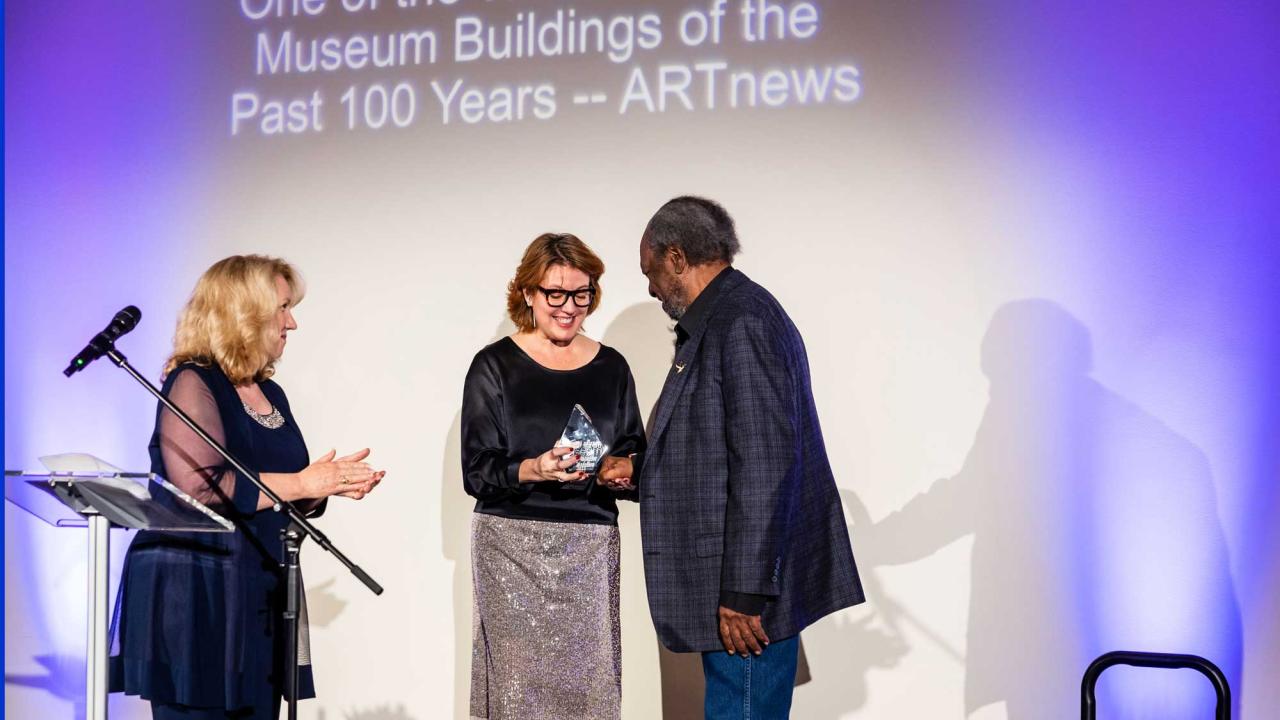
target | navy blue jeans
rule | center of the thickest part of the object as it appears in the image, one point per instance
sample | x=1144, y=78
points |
x=754, y=687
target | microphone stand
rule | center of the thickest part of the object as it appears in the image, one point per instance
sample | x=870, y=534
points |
x=292, y=537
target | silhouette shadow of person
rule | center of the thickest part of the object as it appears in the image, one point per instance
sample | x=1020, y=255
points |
x=63, y=679
x=1094, y=527
x=455, y=543
x=643, y=334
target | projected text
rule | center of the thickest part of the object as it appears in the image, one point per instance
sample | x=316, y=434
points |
x=717, y=55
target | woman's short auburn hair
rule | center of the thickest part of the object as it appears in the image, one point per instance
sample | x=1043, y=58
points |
x=230, y=318
x=546, y=251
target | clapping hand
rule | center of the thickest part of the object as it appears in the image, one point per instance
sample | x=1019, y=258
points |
x=347, y=476
x=357, y=493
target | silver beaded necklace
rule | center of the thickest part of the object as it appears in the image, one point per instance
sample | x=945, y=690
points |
x=272, y=420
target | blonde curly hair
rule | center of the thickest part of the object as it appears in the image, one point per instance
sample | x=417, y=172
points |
x=230, y=318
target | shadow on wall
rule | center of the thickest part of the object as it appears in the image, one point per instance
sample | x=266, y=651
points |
x=382, y=712
x=455, y=541
x=63, y=678
x=323, y=604
x=1095, y=528
x=644, y=336
x=845, y=649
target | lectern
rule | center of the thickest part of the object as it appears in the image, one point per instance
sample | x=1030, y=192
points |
x=100, y=501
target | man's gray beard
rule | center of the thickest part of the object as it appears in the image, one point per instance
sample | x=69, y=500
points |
x=675, y=305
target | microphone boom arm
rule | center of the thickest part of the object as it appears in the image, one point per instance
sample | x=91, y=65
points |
x=278, y=503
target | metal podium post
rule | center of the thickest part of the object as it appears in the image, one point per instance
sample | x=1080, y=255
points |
x=99, y=617
x=100, y=501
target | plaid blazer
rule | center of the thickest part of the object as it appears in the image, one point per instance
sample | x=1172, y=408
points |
x=736, y=492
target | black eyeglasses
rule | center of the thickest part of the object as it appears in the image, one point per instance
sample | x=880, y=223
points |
x=557, y=297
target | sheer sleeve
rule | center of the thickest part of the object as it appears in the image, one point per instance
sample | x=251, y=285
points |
x=488, y=470
x=189, y=462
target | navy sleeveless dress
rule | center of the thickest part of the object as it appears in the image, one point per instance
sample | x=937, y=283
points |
x=198, y=618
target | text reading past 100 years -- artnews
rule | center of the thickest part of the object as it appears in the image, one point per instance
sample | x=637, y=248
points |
x=405, y=77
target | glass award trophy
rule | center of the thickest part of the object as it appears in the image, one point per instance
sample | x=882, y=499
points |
x=583, y=437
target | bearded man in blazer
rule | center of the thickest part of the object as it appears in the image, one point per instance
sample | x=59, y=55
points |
x=745, y=542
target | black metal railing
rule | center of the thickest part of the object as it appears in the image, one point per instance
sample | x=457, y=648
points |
x=1089, y=706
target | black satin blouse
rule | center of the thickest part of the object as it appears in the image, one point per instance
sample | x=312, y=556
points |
x=514, y=408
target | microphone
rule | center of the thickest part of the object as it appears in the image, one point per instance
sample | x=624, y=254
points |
x=124, y=321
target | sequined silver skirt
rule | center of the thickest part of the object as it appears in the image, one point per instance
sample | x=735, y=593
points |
x=546, y=640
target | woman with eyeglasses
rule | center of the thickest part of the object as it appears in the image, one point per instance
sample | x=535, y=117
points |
x=546, y=641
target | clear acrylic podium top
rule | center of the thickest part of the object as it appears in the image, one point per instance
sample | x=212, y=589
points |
x=65, y=499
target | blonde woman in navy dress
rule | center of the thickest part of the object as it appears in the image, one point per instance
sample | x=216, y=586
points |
x=198, y=629
x=544, y=536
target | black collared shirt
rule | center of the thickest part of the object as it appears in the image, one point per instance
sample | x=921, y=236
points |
x=696, y=314
x=693, y=318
